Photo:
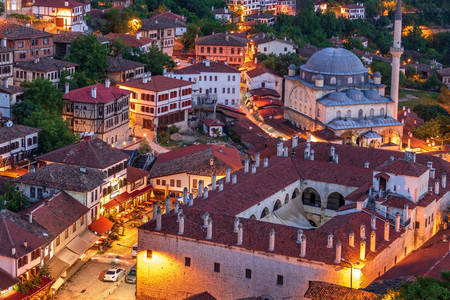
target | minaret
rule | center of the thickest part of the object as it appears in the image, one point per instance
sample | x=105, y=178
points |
x=396, y=52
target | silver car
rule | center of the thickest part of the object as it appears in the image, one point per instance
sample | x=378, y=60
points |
x=113, y=274
x=131, y=276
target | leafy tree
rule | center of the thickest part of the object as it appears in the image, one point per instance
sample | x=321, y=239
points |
x=43, y=94
x=353, y=44
x=444, y=97
x=76, y=81
x=155, y=60
x=428, y=112
x=144, y=147
x=427, y=288
x=415, y=40
x=279, y=64
x=90, y=55
x=13, y=200
x=188, y=38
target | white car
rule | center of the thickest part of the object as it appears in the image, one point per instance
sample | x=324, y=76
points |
x=113, y=275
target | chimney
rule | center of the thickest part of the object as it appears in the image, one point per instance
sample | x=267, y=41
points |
x=181, y=224
x=373, y=241
x=239, y=235
x=144, y=78
x=107, y=83
x=351, y=239
x=176, y=208
x=228, y=177
x=30, y=218
x=286, y=150
x=200, y=188
x=66, y=87
x=332, y=153
x=366, y=165
x=272, y=240
x=392, y=157
x=155, y=209
x=220, y=186
x=257, y=161
x=294, y=141
x=338, y=253
x=330, y=240
x=444, y=180
x=253, y=168
x=405, y=212
x=299, y=236
x=432, y=173
x=336, y=158
x=436, y=187
x=280, y=149
x=209, y=229
x=397, y=222
x=362, y=250
x=227, y=37
x=94, y=92
x=205, y=193
x=207, y=63
x=362, y=231
x=373, y=222
x=158, y=220
x=191, y=200
x=66, y=3
x=236, y=224
x=234, y=179
x=213, y=184
x=13, y=251
x=205, y=218
x=311, y=155
x=4, y=40
x=303, y=246
x=429, y=164
x=246, y=165
x=185, y=194
x=359, y=205
x=266, y=162
x=167, y=205
x=386, y=231
x=138, y=35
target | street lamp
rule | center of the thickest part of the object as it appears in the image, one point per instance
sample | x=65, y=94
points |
x=352, y=266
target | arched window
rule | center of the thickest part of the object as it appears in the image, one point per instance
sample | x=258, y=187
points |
x=372, y=112
x=362, y=78
x=277, y=205
x=338, y=114
x=350, y=80
x=333, y=80
x=265, y=212
x=335, y=200
x=253, y=217
x=349, y=113
x=360, y=114
x=382, y=111
x=311, y=197
x=286, y=199
x=295, y=193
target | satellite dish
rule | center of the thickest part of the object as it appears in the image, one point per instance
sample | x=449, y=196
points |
x=9, y=123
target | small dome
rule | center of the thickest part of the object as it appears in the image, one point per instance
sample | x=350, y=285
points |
x=337, y=96
x=372, y=94
x=334, y=61
x=377, y=74
x=292, y=67
x=356, y=95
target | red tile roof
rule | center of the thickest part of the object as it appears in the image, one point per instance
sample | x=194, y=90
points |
x=157, y=83
x=402, y=167
x=221, y=39
x=259, y=71
x=212, y=122
x=264, y=92
x=260, y=102
x=104, y=94
x=319, y=290
x=6, y=280
x=214, y=67
x=273, y=112
x=101, y=225
x=396, y=201
x=57, y=3
x=130, y=40
x=134, y=174
x=93, y=153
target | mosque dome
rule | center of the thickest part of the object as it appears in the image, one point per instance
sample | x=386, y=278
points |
x=334, y=61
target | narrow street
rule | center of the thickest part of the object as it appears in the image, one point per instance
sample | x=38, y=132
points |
x=87, y=283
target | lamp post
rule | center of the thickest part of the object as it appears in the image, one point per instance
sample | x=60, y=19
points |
x=352, y=266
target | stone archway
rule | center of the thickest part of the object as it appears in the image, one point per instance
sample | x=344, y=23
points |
x=335, y=200
x=391, y=136
x=350, y=137
x=277, y=205
x=311, y=197
x=265, y=212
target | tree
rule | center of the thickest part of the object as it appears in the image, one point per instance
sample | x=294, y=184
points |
x=437, y=129
x=444, y=97
x=155, y=60
x=144, y=147
x=279, y=64
x=90, y=55
x=13, y=200
x=428, y=112
x=76, y=80
x=188, y=38
x=427, y=288
x=353, y=44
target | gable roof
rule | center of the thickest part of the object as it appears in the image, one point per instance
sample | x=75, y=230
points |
x=57, y=3
x=16, y=32
x=104, y=94
x=259, y=71
x=319, y=290
x=16, y=131
x=161, y=21
x=157, y=83
x=221, y=39
x=44, y=64
x=117, y=64
x=402, y=167
x=214, y=67
x=134, y=174
x=130, y=40
x=91, y=153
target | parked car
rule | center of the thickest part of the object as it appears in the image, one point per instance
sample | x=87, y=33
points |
x=131, y=276
x=113, y=274
x=134, y=251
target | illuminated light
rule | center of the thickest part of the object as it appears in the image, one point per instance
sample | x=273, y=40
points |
x=134, y=25
x=149, y=254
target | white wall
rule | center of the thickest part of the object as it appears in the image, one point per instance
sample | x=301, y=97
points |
x=276, y=47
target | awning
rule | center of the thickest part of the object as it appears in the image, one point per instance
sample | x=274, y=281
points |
x=101, y=225
x=78, y=245
x=56, y=266
x=67, y=256
x=382, y=175
x=111, y=204
x=89, y=237
x=141, y=191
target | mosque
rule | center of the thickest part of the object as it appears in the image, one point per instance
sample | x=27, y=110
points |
x=334, y=92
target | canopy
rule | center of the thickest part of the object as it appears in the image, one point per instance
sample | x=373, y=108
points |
x=101, y=225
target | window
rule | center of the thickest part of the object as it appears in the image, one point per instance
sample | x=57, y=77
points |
x=349, y=113
x=280, y=279
x=372, y=112
x=248, y=273
x=382, y=111
x=58, y=241
x=217, y=267
x=187, y=261
x=163, y=182
x=194, y=183
x=66, y=234
x=172, y=182
x=32, y=192
x=178, y=183
x=74, y=227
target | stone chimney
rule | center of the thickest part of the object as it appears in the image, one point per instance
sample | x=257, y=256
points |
x=336, y=158
x=303, y=246
x=373, y=241
x=155, y=209
x=405, y=212
x=386, y=231
x=205, y=218
x=266, y=162
x=272, y=240
x=253, y=168
x=158, y=220
x=444, y=180
x=294, y=141
x=94, y=92
x=299, y=236
x=181, y=224
x=280, y=149
x=362, y=231
x=66, y=87
x=167, y=205
x=13, y=251
x=338, y=258
x=191, y=200
x=236, y=224
x=220, y=186
x=185, y=194
x=228, y=176
x=286, y=152
x=213, y=184
x=107, y=83
x=311, y=154
x=209, y=229
x=205, y=193
x=432, y=173
x=397, y=222
x=233, y=179
x=429, y=164
x=177, y=206
x=246, y=165
x=351, y=239
x=366, y=165
x=436, y=187
x=257, y=160
x=332, y=153
x=362, y=250
x=330, y=240
x=373, y=222
x=30, y=218
x=240, y=234
x=200, y=188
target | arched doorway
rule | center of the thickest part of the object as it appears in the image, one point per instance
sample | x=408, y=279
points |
x=277, y=205
x=334, y=201
x=265, y=212
x=350, y=137
x=311, y=197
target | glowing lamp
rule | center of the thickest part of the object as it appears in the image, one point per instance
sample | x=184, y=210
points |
x=149, y=254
